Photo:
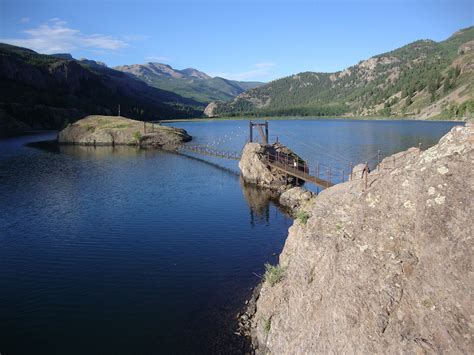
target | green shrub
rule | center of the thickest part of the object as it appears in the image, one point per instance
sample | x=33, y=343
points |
x=302, y=217
x=138, y=137
x=267, y=324
x=273, y=274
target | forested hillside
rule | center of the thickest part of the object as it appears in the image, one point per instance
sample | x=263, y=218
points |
x=45, y=92
x=424, y=79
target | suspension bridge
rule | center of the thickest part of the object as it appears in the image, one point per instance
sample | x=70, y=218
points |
x=322, y=175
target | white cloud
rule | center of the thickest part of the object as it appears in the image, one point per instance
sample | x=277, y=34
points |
x=157, y=58
x=55, y=36
x=24, y=20
x=261, y=71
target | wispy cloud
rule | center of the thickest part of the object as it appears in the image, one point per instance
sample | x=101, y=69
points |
x=260, y=71
x=157, y=58
x=55, y=36
x=24, y=20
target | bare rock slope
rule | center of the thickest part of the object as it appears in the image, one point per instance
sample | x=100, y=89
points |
x=382, y=269
x=117, y=130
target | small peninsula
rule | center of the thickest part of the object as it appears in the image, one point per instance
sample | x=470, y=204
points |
x=118, y=130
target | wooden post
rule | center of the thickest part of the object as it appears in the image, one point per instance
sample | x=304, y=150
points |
x=350, y=167
x=342, y=175
x=144, y=127
x=251, y=132
x=266, y=132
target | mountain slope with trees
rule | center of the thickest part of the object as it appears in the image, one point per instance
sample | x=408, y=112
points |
x=189, y=82
x=424, y=79
x=45, y=92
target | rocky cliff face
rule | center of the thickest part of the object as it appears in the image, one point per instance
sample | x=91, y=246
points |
x=209, y=111
x=382, y=269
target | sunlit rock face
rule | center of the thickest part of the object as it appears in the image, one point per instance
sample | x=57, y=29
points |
x=255, y=169
x=385, y=268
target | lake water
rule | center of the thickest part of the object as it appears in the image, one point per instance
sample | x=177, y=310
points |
x=126, y=251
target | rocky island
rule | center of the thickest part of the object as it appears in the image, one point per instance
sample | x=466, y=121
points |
x=385, y=268
x=116, y=130
x=255, y=170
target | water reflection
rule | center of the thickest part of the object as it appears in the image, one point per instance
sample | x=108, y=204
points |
x=259, y=200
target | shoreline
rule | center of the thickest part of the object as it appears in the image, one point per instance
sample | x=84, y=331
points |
x=308, y=118
x=241, y=118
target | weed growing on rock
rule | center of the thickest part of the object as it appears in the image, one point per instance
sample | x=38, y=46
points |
x=274, y=273
x=303, y=216
x=267, y=325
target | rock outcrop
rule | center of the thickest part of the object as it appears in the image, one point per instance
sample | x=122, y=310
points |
x=116, y=130
x=382, y=269
x=255, y=169
x=210, y=110
x=296, y=198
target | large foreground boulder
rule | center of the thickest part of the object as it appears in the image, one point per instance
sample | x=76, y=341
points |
x=382, y=269
x=117, y=130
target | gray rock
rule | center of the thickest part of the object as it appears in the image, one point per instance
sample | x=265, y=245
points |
x=256, y=171
x=387, y=269
x=210, y=109
x=295, y=197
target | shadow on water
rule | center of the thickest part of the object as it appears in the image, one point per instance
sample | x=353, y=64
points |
x=50, y=146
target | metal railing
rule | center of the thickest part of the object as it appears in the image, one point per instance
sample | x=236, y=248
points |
x=199, y=149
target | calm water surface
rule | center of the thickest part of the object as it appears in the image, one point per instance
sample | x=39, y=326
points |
x=126, y=251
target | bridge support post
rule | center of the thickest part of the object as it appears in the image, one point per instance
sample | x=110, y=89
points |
x=251, y=131
x=266, y=133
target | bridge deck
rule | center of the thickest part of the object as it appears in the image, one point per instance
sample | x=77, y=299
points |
x=300, y=174
x=280, y=161
x=211, y=152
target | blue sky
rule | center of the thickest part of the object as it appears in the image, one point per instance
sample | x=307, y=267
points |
x=238, y=39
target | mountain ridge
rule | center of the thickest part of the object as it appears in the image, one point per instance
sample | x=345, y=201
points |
x=423, y=79
x=189, y=82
